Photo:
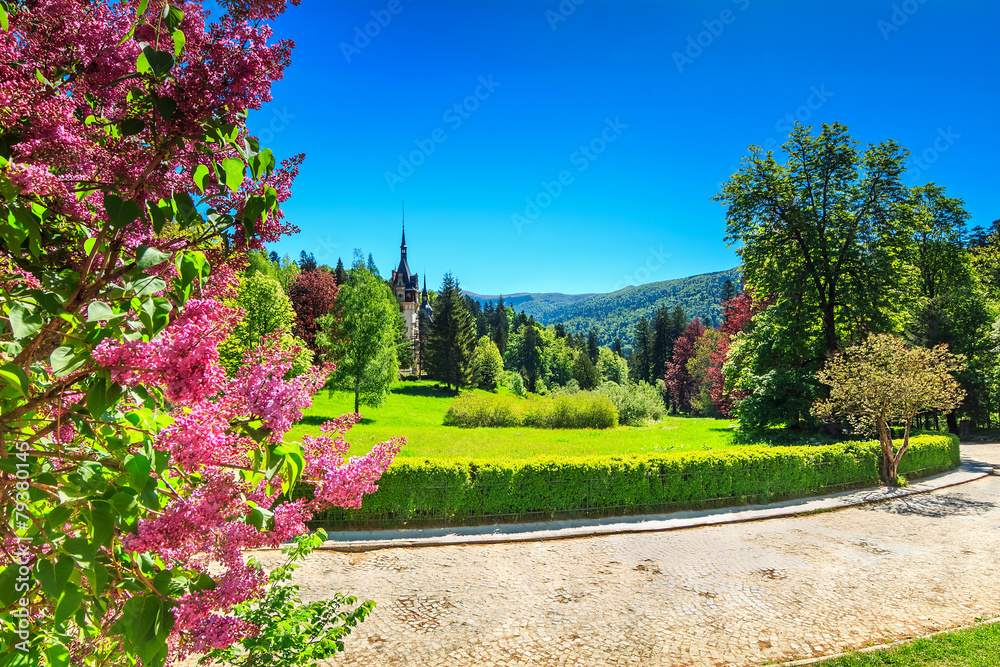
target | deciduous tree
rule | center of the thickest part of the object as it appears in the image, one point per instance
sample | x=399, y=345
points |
x=883, y=382
x=313, y=295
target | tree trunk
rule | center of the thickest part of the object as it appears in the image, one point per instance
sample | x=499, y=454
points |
x=890, y=464
x=830, y=327
x=357, y=395
x=952, y=423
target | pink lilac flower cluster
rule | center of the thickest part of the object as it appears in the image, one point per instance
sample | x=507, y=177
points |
x=67, y=82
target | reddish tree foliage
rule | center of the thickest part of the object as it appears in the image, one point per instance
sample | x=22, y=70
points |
x=312, y=294
x=739, y=312
x=679, y=382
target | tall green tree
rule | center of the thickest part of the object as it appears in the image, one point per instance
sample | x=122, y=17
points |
x=828, y=234
x=452, y=337
x=360, y=337
x=830, y=227
x=585, y=372
x=728, y=291
x=664, y=336
x=340, y=273
x=487, y=364
x=643, y=349
x=500, y=326
x=592, y=345
x=267, y=312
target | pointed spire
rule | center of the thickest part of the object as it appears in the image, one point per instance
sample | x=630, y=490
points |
x=402, y=245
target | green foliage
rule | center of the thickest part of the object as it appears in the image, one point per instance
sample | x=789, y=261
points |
x=452, y=337
x=284, y=270
x=359, y=336
x=581, y=410
x=612, y=367
x=292, y=632
x=515, y=383
x=487, y=364
x=584, y=371
x=636, y=403
x=267, y=311
x=883, y=382
x=697, y=367
x=616, y=314
x=480, y=490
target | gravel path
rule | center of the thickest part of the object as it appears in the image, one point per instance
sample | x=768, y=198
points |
x=722, y=595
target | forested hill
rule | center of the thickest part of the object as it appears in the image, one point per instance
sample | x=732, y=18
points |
x=615, y=315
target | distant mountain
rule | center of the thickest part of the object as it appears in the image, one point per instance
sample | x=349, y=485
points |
x=615, y=314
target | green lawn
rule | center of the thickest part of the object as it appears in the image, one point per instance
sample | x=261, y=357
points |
x=416, y=409
x=974, y=647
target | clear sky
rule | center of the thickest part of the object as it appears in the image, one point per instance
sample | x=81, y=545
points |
x=641, y=108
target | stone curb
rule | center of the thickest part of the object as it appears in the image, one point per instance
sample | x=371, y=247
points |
x=358, y=541
x=881, y=647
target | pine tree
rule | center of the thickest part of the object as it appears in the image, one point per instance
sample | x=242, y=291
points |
x=274, y=257
x=560, y=330
x=592, y=347
x=500, y=326
x=307, y=262
x=643, y=351
x=617, y=347
x=453, y=337
x=663, y=342
x=728, y=292
x=340, y=273
x=372, y=269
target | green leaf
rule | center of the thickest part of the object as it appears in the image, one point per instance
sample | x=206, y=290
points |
x=157, y=63
x=138, y=469
x=58, y=655
x=120, y=213
x=102, y=522
x=88, y=245
x=68, y=603
x=65, y=360
x=53, y=576
x=184, y=206
x=234, y=169
x=81, y=549
x=146, y=257
x=3, y=17
x=179, y=41
x=15, y=377
x=148, y=285
x=262, y=164
x=7, y=581
x=98, y=311
x=24, y=321
x=131, y=126
x=201, y=174
x=166, y=106
x=142, y=8
x=261, y=518
x=172, y=17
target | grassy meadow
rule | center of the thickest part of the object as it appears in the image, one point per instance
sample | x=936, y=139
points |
x=416, y=410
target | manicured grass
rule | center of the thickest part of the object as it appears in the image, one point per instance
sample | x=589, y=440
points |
x=416, y=410
x=974, y=647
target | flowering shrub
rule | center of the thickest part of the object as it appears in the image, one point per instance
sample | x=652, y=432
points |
x=134, y=472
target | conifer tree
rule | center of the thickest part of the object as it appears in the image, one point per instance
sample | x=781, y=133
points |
x=728, y=291
x=500, y=326
x=592, y=347
x=452, y=338
x=372, y=269
x=307, y=262
x=663, y=342
x=340, y=273
x=617, y=347
x=643, y=351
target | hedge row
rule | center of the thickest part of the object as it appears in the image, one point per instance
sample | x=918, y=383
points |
x=447, y=492
x=580, y=410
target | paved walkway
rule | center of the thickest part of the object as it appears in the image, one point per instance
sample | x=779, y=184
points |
x=736, y=594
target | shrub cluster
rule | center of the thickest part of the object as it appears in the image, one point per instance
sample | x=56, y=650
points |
x=455, y=492
x=636, y=403
x=582, y=410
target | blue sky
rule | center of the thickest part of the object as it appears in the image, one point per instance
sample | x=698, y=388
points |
x=547, y=146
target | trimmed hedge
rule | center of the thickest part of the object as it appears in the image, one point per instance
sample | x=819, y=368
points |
x=581, y=410
x=464, y=492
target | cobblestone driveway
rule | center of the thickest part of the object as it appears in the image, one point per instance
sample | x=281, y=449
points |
x=726, y=595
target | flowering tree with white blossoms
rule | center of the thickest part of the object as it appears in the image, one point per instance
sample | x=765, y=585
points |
x=134, y=473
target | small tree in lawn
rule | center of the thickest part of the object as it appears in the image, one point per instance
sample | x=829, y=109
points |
x=359, y=336
x=487, y=364
x=884, y=382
